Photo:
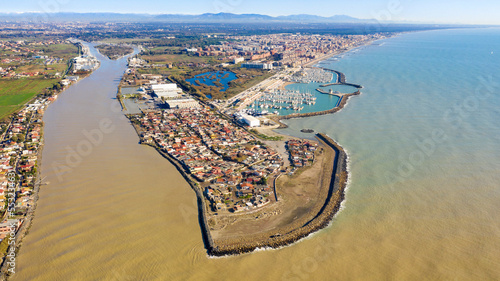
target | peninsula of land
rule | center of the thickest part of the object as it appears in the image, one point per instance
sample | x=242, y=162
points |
x=197, y=105
x=255, y=188
x=244, y=179
x=113, y=51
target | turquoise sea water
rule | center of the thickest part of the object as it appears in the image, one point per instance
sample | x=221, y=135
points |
x=424, y=146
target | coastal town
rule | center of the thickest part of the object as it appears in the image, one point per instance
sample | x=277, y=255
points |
x=236, y=169
x=244, y=179
x=275, y=50
x=226, y=139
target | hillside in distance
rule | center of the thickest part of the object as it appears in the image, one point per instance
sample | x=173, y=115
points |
x=178, y=18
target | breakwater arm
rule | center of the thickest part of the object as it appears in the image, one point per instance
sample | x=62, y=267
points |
x=341, y=80
x=342, y=102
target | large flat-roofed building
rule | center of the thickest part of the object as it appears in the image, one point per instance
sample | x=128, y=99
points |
x=250, y=120
x=86, y=63
x=238, y=60
x=183, y=103
x=166, y=90
x=257, y=65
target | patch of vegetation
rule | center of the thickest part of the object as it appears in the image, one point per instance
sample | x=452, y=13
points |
x=14, y=93
x=4, y=246
x=265, y=137
x=64, y=51
x=246, y=79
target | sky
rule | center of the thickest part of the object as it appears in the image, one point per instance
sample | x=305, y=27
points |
x=429, y=11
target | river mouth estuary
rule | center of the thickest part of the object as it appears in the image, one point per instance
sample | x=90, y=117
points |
x=421, y=202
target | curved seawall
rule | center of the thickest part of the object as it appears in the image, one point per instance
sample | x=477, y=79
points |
x=337, y=185
x=339, y=106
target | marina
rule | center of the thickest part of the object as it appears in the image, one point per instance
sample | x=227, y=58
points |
x=284, y=99
x=316, y=75
x=299, y=98
x=303, y=95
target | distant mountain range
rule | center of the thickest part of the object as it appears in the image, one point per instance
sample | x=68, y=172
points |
x=228, y=17
x=203, y=18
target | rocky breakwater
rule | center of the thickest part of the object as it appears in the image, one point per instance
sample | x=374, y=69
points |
x=341, y=104
x=341, y=79
x=320, y=220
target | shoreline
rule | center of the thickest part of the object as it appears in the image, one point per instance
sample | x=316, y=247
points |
x=322, y=219
x=338, y=52
x=30, y=214
x=330, y=200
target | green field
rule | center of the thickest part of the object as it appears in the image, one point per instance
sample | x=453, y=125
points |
x=16, y=92
x=125, y=40
x=176, y=58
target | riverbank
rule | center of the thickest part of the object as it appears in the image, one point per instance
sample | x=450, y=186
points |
x=202, y=208
x=26, y=220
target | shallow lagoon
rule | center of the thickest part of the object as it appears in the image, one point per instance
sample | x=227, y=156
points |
x=209, y=79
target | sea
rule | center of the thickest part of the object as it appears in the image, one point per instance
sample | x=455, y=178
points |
x=423, y=200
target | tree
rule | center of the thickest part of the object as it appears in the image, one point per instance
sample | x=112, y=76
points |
x=263, y=181
x=20, y=138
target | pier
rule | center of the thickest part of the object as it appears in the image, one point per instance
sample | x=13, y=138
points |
x=284, y=99
x=331, y=92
